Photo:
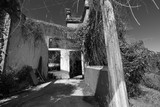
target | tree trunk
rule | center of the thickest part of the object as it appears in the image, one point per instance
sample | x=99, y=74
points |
x=117, y=87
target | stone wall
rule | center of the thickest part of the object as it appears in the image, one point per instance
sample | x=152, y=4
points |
x=96, y=78
x=29, y=40
x=25, y=51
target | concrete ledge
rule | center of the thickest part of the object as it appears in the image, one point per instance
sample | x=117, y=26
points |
x=97, y=78
x=91, y=76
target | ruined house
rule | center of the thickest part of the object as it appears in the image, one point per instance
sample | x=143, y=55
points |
x=70, y=50
x=30, y=41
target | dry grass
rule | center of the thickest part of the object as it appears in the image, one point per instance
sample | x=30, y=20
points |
x=151, y=98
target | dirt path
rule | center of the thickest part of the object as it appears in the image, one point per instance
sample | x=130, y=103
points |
x=61, y=93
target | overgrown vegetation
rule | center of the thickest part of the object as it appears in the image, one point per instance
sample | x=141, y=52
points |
x=134, y=65
x=32, y=30
x=94, y=39
x=7, y=83
x=12, y=82
x=136, y=58
x=11, y=6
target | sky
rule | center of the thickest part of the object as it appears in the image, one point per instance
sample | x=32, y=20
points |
x=149, y=30
x=147, y=15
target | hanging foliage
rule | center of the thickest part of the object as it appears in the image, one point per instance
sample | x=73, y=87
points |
x=135, y=57
x=32, y=30
x=94, y=40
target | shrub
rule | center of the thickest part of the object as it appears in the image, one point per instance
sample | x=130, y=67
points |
x=24, y=75
x=7, y=83
x=11, y=82
x=134, y=66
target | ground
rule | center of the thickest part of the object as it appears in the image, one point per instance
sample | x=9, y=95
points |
x=151, y=98
x=74, y=93
x=60, y=93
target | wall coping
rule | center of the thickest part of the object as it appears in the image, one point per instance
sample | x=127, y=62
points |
x=95, y=67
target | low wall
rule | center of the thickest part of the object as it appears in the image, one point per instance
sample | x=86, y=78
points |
x=96, y=78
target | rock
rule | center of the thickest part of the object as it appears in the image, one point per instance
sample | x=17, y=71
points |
x=34, y=78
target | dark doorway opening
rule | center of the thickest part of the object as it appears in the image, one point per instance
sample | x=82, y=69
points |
x=75, y=64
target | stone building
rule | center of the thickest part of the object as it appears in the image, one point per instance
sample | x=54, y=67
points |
x=66, y=52
x=31, y=42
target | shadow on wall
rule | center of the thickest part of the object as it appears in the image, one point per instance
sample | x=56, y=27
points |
x=98, y=79
x=102, y=88
x=27, y=48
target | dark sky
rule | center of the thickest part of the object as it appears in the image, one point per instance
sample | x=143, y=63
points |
x=148, y=16
x=51, y=10
x=149, y=30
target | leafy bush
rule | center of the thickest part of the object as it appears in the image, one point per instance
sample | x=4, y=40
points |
x=134, y=66
x=32, y=31
x=24, y=75
x=11, y=82
x=7, y=83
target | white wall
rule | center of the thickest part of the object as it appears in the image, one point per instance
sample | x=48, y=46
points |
x=72, y=25
x=64, y=60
